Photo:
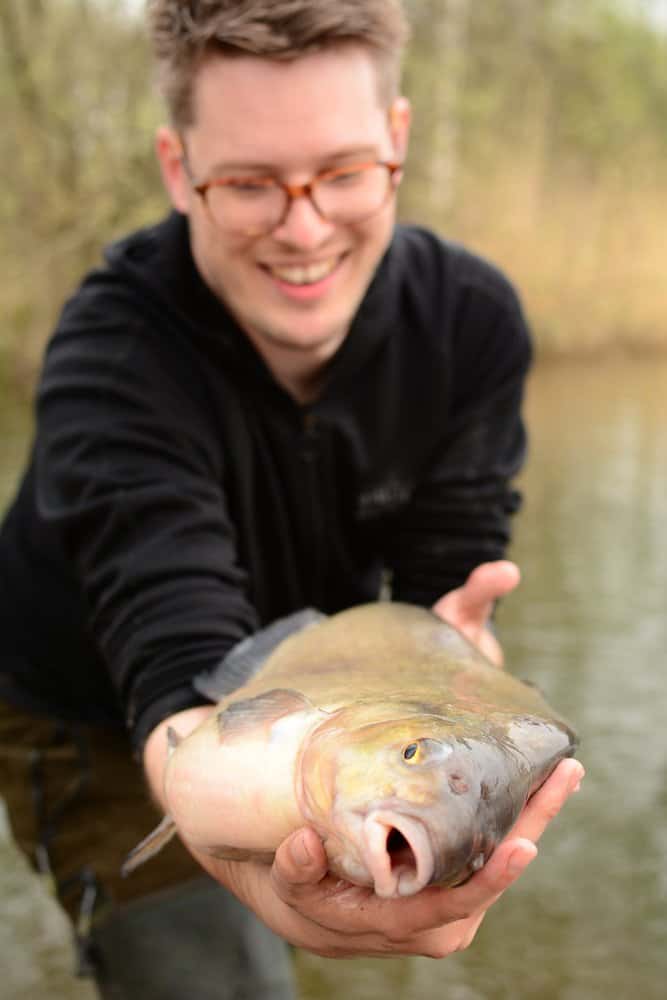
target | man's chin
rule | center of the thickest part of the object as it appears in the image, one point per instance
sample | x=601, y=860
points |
x=320, y=342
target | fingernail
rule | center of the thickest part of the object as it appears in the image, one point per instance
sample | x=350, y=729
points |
x=520, y=860
x=299, y=852
x=576, y=779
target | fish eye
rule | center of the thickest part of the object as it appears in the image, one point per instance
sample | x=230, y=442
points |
x=426, y=751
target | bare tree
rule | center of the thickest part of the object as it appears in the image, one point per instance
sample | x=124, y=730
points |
x=450, y=36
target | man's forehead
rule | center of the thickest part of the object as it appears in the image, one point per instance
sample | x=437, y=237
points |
x=323, y=155
x=255, y=111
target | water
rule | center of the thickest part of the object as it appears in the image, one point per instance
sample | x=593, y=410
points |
x=589, y=625
x=589, y=918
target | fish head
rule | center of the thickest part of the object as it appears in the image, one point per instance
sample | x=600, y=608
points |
x=402, y=803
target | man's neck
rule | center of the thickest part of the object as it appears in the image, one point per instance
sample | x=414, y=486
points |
x=301, y=372
x=304, y=390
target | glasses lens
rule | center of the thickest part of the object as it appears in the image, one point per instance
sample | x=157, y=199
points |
x=255, y=207
x=250, y=207
x=352, y=193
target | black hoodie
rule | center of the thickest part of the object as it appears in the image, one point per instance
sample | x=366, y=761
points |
x=177, y=497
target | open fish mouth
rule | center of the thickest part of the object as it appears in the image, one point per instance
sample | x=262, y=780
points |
x=398, y=853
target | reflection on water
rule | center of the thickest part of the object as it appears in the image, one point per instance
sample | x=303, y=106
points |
x=589, y=919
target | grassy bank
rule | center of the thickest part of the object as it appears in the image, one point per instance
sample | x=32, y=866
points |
x=586, y=252
x=587, y=255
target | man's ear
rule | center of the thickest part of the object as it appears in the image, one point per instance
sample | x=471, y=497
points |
x=399, y=124
x=169, y=149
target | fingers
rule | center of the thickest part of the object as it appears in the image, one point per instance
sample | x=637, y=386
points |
x=485, y=585
x=301, y=882
x=515, y=853
x=547, y=802
x=469, y=607
x=346, y=919
x=436, y=907
x=493, y=579
x=300, y=878
x=472, y=603
x=300, y=875
x=333, y=918
x=300, y=861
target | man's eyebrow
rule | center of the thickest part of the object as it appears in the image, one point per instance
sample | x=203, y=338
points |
x=229, y=168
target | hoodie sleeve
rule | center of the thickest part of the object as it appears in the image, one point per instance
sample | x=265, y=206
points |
x=460, y=511
x=129, y=477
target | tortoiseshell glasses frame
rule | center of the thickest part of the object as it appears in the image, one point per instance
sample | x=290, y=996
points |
x=255, y=205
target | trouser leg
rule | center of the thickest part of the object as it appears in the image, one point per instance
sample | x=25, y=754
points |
x=194, y=940
x=77, y=805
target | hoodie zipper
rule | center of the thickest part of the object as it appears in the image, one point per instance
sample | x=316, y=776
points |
x=310, y=456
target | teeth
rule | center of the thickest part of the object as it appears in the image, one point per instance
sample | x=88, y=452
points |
x=305, y=275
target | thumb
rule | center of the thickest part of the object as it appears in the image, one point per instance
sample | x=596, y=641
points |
x=472, y=604
x=484, y=586
x=300, y=860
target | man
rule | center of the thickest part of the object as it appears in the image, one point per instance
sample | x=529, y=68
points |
x=263, y=403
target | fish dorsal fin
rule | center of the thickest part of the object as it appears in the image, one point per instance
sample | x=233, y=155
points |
x=252, y=713
x=246, y=658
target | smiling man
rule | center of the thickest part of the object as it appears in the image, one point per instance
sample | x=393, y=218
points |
x=290, y=209
x=274, y=398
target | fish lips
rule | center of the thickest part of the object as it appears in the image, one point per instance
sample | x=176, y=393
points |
x=397, y=852
x=444, y=843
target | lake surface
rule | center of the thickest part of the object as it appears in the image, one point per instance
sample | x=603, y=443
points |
x=589, y=625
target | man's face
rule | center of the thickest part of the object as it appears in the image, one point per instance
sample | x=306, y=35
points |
x=298, y=287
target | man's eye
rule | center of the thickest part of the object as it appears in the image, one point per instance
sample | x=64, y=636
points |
x=249, y=189
x=349, y=178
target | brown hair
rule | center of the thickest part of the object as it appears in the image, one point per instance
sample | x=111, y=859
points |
x=185, y=32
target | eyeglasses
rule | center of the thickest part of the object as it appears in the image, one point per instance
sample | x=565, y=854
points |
x=255, y=206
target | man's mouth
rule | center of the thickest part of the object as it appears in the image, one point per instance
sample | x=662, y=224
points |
x=305, y=274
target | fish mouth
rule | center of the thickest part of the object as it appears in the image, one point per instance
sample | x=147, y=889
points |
x=398, y=853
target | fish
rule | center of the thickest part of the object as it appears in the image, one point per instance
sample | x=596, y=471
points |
x=383, y=728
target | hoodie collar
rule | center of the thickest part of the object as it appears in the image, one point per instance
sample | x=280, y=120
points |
x=158, y=262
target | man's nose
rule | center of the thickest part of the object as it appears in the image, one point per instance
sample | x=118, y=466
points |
x=303, y=226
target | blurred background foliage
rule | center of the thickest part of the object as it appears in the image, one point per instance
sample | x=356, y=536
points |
x=539, y=139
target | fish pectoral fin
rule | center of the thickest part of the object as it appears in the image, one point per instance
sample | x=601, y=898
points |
x=533, y=684
x=263, y=710
x=173, y=740
x=149, y=846
x=225, y=853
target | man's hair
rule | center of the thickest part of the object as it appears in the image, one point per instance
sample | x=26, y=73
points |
x=184, y=33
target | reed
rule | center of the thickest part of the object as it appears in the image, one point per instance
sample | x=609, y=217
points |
x=587, y=252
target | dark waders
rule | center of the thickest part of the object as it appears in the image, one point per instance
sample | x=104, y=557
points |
x=77, y=804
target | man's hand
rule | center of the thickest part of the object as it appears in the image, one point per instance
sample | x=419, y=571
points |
x=469, y=607
x=155, y=751
x=313, y=910
x=302, y=903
